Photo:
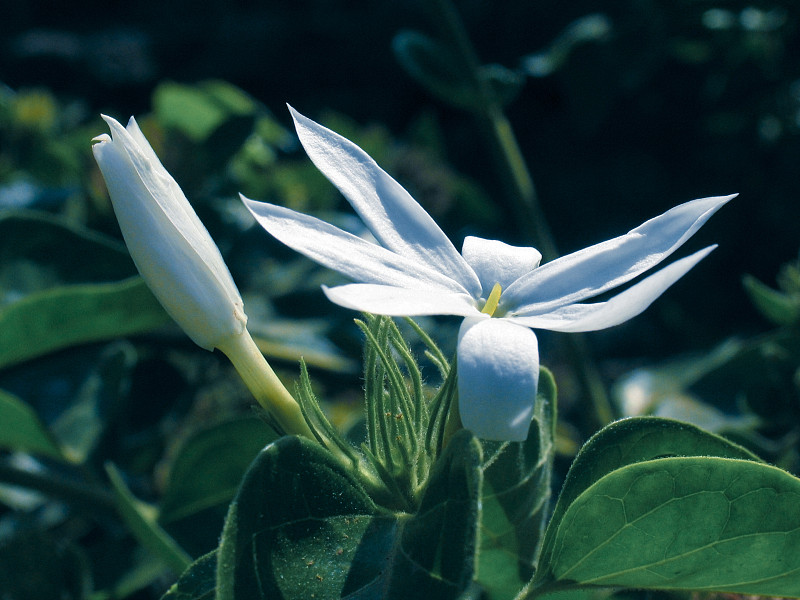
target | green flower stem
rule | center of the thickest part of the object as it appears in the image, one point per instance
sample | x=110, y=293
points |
x=526, y=206
x=264, y=384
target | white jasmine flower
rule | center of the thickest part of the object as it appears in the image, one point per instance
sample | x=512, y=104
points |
x=170, y=246
x=500, y=290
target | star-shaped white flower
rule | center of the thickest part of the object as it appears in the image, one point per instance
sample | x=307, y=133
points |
x=500, y=290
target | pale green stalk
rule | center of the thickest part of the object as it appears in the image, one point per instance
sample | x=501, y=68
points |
x=264, y=384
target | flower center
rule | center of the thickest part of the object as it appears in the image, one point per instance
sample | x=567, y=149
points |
x=494, y=299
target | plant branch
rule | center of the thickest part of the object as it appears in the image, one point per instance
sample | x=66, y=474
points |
x=524, y=199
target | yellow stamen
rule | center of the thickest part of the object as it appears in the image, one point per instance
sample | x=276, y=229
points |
x=494, y=299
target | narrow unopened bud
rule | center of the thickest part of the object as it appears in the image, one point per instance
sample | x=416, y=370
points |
x=182, y=266
x=169, y=244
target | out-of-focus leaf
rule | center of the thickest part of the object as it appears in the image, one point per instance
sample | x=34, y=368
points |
x=777, y=307
x=209, y=467
x=143, y=570
x=640, y=391
x=64, y=316
x=437, y=69
x=514, y=499
x=293, y=340
x=80, y=427
x=38, y=251
x=198, y=111
x=505, y=83
x=34, y=566
x=198, y=582
x=22, y=430
x=140, y=519
x=589, y=28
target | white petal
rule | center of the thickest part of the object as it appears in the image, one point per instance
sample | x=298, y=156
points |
x=601, y=267
x=169, y=245
x=397, y=302
x=620, y=308
x=396, y=220
x=167, y=197
x=497, y=262
x=498, y=372
x=344, y=252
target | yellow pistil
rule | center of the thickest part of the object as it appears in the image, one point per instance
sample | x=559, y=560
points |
x=494, y=299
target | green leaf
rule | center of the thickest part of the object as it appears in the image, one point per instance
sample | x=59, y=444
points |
x=22, y=429
x=210, y=465
x=442, y=537
x=140, y=519
x=65, y=316
x=96, y=405
x=505, y=83
x=303, y=527
x=40, y=251
x=431, y=64
x=294, y=525
x=516, y=490
x=33, y=566
x=292, y=340
x=712, y=524
x=777, y=307
x=632, y=441
x=198, y=582
x=198, y=111
x=51, y=297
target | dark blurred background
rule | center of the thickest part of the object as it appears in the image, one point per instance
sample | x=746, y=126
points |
x=626, y=107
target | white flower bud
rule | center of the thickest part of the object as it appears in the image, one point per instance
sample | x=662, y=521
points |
x=170, y=246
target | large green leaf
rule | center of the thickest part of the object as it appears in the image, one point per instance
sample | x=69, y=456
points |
x=22, y=430
x=631, y=441
x=210, y=465
x=514, y=499
x=699, y=523
x=198, y=582
x=302, y=527
x=64, y=316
